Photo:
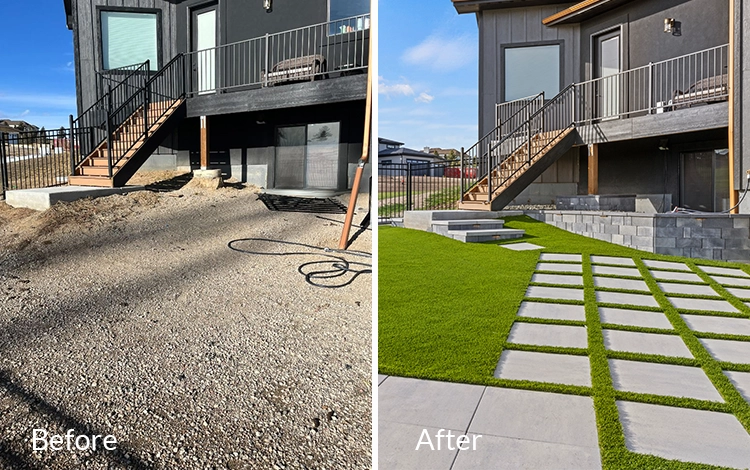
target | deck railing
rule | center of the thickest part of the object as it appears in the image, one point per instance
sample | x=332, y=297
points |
x=700, y=77
x=511, y=114
x=34, y=159
x=324, y=50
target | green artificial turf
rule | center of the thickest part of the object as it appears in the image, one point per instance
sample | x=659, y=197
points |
x=446, y=308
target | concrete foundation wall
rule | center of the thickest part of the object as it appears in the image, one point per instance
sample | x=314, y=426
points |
x=706, y=236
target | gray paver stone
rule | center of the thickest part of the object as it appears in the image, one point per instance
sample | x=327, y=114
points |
x=662, y=379
x=552, y=311
x=615, y=271
x=741, y=381
x=548, y=335
x=716, y=324
x=645, y=343
x=680, y=434
x=559, y=267
x=672, y=276
x=626, y=299
x=691, y=289
x=397, y=447
x=615, y=283
x=666, y=265
x=731, y=281
x=560, y=257
x=619, y=261
x=544, y=367
x=739, y=292
x=684, y=303
x=728, y=350
x=568, y=279
x=621, y=316
x=503, y=453
x=523, y=246
x=554, y=293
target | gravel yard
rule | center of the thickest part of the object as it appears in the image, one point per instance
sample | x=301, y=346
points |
x=129, y=315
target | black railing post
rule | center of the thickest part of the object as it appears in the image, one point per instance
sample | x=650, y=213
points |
x=462, y=173
x=3, y=167
x=110, y=138
x=265, y=76
x=408, y=186
x=71, y=147
x=183, y=81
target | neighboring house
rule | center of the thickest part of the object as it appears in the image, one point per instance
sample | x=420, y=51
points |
x=392, y=153
x=637, y=97
x=449, y=154
x=271, y=92
x=12, y=129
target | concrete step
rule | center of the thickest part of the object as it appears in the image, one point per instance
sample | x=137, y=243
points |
x=442, y=227
x=474, y=236
x=423, y=220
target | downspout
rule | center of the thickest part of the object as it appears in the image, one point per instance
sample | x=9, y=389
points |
x=733, y=193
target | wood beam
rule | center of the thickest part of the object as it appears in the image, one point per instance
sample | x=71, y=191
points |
x=204, y=143
x=733, y=193
x=593, y=168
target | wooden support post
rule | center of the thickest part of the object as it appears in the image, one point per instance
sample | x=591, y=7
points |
x=594, y=169
x=204, y=143
x=733, y=193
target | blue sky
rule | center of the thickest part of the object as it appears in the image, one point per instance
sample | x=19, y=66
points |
x=37, y=79
x=428, y=74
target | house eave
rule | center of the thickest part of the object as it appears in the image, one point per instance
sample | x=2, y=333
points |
x=68, y=13
x=582, y=11
x=474, y=6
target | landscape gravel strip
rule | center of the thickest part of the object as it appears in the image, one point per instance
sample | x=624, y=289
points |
x=129, y=315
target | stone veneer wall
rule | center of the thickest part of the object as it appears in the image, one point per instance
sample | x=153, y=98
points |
x=707, y=236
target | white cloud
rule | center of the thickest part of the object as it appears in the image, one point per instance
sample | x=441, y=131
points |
x=442, y=53
x=25, y=113
x=403, y=89
x=424, y=98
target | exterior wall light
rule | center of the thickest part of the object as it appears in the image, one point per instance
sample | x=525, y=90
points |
x=672, y=26
x=268, y=5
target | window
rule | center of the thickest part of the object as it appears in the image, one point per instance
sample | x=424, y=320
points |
x=129, y=38
x=531, y=70
x=347, y=16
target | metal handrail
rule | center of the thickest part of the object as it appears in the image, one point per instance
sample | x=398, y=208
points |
x=304, y=53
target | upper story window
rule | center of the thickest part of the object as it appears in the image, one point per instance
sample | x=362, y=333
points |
x=530, y=70
x=343, y=15
x=129, y=38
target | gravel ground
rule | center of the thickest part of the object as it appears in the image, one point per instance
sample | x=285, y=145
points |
x=129, y=315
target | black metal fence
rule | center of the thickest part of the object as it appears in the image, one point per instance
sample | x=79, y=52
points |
x=34, y=159
x=417, y=186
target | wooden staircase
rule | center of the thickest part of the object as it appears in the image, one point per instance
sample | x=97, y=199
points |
x=509, y=177
x=510, y=161
x=131, y=146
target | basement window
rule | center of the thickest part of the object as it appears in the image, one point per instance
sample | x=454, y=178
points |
x=129, y=38
x=530, y=70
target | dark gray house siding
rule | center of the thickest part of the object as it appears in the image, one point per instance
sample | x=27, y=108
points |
x=240, y=146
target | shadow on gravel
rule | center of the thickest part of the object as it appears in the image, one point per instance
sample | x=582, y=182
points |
x=275, y=202
x=52, y=413
x=172, y=184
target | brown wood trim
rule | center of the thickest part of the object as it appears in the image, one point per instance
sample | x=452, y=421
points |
x=593, y=169
x=561, y=15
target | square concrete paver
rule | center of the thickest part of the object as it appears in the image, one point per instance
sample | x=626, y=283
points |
x=645, y=343
x=527, y=429
x=552, y=311
x=622, y=316
x=559, y=267
x=544, y=367
x=724, y=271
x=685, y=303
x=690, y=289
x=684, y=434
x=428, y=403
x=548, y=335
x=739, y=292
x=732, y=281
x=612, y=260
x=397, y=447
x=560, y=257
x=521, y=246
x=616, y=271
x=558, y=293
x=662, y=379
x=716, y=324
x=728, y=350
x=741, y=381
x=614, y=283
x=666, y=265
x=568, y=279
x=504, y=453
x=626, y=299
x=672, y=276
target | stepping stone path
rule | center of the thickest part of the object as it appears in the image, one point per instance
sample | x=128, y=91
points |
x=685, y=303
x=732, y=281
x=615, y=283
x=666, y=265
x=645, y=343
x=687, y=289
x=728, y=350
x=673, y=276
x=552, y=311
x=616, y=271
x=662, y=379
x=548, y=335
x=715, y=324
x=559, y=267
x=544, y=367
x=724, y=271
x=556, y=293
x=612, y=260
x=741, y=381
x=558, y=279
x=626, y=299
x=523, y=246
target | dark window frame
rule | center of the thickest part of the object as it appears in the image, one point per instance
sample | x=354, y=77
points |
x=99, y=36
x=504, y=47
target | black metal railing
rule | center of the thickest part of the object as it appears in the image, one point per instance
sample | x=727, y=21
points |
x=114, y=77
x=417, y=186
x=134, y=120
x=89, y=128
x=322, y=50
x=34, y=159
x=511, y=114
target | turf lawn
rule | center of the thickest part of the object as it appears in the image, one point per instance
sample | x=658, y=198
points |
x=445, y=310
